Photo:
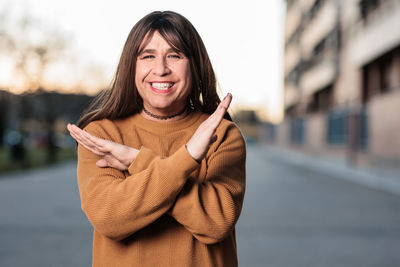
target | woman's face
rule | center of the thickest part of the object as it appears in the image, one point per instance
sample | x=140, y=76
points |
x=162, y=77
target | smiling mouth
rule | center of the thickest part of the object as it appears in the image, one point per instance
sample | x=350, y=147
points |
x=163, y=86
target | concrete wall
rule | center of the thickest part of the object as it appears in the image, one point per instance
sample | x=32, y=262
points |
x=283, y=133
x=316, y=132
x=384, y=126
x=365, y=44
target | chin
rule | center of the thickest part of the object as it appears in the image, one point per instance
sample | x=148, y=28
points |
x=160, y=106
x=164, y=104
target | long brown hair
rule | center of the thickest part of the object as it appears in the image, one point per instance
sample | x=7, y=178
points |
x=123, y=99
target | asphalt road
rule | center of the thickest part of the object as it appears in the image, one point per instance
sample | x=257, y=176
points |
x=41, y=223
x=295, y=216
x=292, y=216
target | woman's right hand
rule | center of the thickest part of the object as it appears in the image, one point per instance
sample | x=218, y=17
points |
x=113, y=155
x=204, y=136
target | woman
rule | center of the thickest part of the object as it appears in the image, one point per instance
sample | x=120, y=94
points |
x=161, y=173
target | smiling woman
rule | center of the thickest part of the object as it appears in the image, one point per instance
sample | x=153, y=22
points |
x=179, y=35
x=161, y=173
x=162, y=78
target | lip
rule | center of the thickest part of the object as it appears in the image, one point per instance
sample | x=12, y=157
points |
x=162, y=91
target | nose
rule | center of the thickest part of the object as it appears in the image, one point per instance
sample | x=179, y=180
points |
x=161, y=67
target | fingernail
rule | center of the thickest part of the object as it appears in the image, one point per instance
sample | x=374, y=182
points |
x=226, y=96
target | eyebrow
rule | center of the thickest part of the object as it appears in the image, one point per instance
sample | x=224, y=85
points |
x=152, y=51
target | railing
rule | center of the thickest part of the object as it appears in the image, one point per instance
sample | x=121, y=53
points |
x=339, y=127
x=363, y=132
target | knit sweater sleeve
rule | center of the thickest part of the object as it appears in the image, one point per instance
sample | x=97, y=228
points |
x=118, y=205
x=210, y=209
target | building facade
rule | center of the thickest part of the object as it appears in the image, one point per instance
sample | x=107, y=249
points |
x=342, y=79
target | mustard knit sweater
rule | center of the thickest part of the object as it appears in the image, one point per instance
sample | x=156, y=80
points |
x=167, y=209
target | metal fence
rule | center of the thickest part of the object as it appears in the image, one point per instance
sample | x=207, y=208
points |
x=338, y=127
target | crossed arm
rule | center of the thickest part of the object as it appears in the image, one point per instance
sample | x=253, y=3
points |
x=119, y=207
x=119, y=156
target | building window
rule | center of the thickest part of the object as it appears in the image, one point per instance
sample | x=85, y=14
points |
x=315, y=8
x=294, y=75
x=290, y=111
x=328, y=46
x=338, y=128
x=297, y=131
x=337, y=132
x=319, y=48
x=295, y=37
x=367, y=7
x=321, y=100
x=385, y=66
x=378, y=76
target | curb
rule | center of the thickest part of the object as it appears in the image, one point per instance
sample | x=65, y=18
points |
x=371, y=177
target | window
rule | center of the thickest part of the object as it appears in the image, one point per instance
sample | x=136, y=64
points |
x=297, y=131
x=337, y=132
x=367, y=7
x=321, y=100
x=378, y=76
x=385, y=65
x=315, y=8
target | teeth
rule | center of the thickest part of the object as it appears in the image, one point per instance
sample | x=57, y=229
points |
x=162, y=86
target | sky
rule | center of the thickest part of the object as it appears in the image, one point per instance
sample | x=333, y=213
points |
x=244, y=40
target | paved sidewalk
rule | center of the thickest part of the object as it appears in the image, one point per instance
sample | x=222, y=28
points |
x=388, y=181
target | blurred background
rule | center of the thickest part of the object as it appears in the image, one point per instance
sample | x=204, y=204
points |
x=56, y=56
x=316, y=86
x=342, y=80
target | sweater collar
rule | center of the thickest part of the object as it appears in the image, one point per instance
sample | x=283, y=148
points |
x=166, y=127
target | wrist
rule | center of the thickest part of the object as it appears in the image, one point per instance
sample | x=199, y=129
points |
x=131, y=156
x=188, y=149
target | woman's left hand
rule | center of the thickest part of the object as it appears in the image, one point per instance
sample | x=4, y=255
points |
x=204, y=136
x=113, y=155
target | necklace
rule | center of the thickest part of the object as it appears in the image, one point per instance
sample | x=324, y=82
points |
x=164, y=117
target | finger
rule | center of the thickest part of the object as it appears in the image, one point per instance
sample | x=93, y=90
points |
x=117, y=150
x=100, y=146
x=93, y=150
x=226, y=101
x=76, y=137
x=114, y=163
x=223, y=106
x=95, y=143
x=77, y=133
x=107, y=146
x=101, y=143
x=87, y=145
x=84, y=142
x=216, y=118
x=71, y=131
x=102, y=163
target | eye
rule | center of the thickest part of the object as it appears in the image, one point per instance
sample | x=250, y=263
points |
x=174, y=56
x=146, y=57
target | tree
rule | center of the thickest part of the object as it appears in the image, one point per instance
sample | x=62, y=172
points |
x=31, y=47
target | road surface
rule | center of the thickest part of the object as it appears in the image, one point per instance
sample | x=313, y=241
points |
x=292, y=216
